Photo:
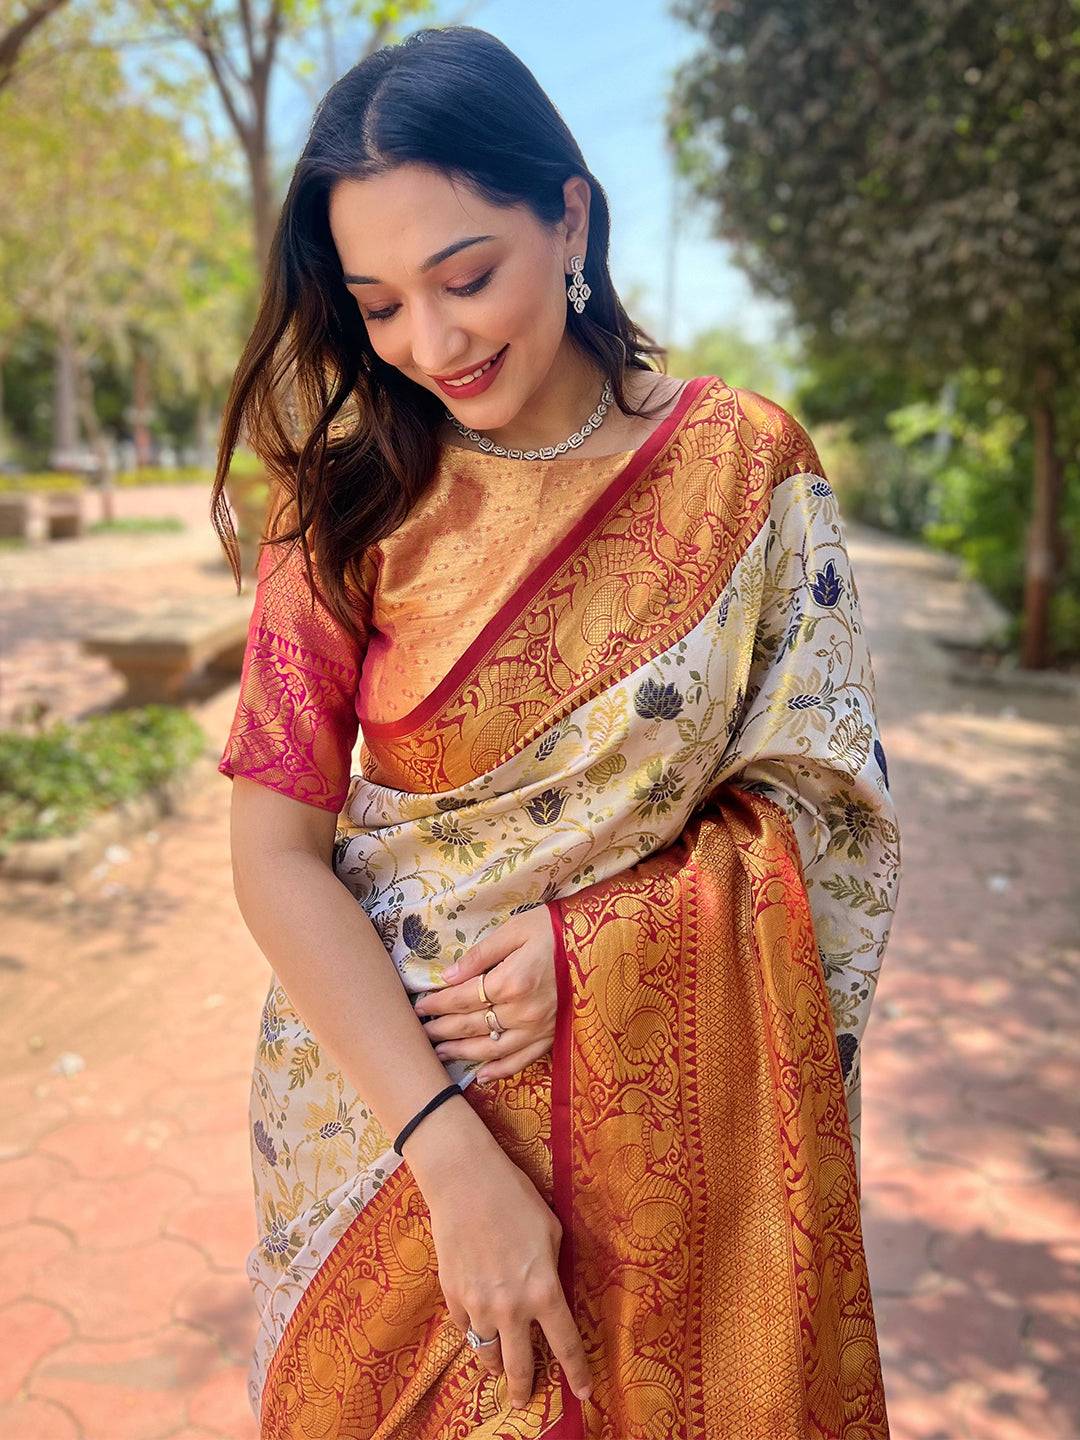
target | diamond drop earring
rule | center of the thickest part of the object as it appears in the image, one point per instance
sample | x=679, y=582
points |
x=578, y=292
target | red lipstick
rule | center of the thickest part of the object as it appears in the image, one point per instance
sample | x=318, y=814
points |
x=475, y=387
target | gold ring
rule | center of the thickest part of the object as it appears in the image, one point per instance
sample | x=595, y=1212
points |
x=484, y=1000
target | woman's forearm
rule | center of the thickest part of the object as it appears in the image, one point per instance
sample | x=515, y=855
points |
x=327, y=954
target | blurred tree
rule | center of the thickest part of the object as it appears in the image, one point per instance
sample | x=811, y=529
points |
x=904, y=176
x=18, y=23
x=242, y=44
x=158, y=266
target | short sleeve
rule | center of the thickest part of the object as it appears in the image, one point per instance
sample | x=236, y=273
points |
x=295, y=723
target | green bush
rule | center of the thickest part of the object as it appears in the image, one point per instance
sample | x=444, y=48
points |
x=876, y=482
x=959, y=475
x=244, y=463
x=52, y=782
x=155, y=475
x=41, y=480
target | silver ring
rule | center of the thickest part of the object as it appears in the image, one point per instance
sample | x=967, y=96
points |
x=475, y=1341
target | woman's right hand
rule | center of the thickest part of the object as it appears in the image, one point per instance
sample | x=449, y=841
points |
x=497, y=1243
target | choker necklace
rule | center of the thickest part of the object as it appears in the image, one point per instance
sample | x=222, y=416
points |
x=549, y=452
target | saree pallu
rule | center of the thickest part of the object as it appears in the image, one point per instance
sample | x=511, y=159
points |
x=668, y=739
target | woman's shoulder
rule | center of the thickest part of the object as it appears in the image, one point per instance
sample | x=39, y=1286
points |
x=764, y=426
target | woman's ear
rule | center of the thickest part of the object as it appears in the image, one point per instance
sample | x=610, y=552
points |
x=577, y=194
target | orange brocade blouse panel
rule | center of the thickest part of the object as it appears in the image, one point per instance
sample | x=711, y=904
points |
x=482, y=527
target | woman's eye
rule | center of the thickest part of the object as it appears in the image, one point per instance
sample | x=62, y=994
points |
x=471, y=289
x=474, y=285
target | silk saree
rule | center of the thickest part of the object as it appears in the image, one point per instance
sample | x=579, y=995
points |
x=666, y=735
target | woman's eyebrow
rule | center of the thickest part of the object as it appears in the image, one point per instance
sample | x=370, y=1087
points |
x=428, y=264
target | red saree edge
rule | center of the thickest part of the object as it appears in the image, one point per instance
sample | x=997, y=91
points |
x=791, y=840
x=424, y=709
x=572, y=1424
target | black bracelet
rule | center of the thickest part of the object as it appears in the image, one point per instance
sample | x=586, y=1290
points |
x=436, y=1100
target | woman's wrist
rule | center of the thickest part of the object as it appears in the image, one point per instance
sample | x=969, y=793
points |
x=443, y=1147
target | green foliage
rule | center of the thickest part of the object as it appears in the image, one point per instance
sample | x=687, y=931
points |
x=158, y=475
x=157, y=264
x=53, y=782
x=726, y=352
x=41, y=480
x=906, y=182
x=954, y=471
x=245, y=463
x=876, y=481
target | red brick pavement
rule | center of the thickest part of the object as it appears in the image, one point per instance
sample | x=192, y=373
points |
x=125, y=1202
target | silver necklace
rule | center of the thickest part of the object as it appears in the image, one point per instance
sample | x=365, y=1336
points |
x=549, y=452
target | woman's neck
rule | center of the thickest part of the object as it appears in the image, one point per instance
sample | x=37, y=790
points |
x=553, y=415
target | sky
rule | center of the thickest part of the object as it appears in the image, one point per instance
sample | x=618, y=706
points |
x=607, y=67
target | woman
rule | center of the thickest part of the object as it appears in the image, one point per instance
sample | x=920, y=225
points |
x=599, y=634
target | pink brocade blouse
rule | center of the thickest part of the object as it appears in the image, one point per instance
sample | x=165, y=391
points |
x=476, y=534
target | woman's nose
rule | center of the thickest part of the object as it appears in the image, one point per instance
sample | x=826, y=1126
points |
x=438, y=348
x=440, y=362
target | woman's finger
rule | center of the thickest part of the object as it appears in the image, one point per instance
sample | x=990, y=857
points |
x=519, y=1363
x=462, y=996
x=490, y=1356
x=473, y=1024
x=486, y=952
x=564, y=1337
x=511, y=1064
x=482, y=1047
x=470, y=1025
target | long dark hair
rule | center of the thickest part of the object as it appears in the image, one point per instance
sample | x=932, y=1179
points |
x=350, y=443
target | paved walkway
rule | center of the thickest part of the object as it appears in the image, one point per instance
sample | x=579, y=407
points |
x=132, y=998
x=971, y=1122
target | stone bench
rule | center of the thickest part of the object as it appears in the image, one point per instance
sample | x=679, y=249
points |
x=159, y=654
x=42, y=514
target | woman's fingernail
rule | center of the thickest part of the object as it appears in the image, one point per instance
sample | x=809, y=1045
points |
x=450, y=971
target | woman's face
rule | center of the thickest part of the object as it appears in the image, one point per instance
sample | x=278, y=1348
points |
x=433, y=317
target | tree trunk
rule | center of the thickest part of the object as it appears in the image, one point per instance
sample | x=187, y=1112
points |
x=262, y=201
x=65, y=412
x=142, y=410
x=1044, y=546
x=97, y=438
x=3, y=416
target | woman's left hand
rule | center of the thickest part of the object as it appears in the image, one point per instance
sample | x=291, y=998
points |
x=518, y=961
